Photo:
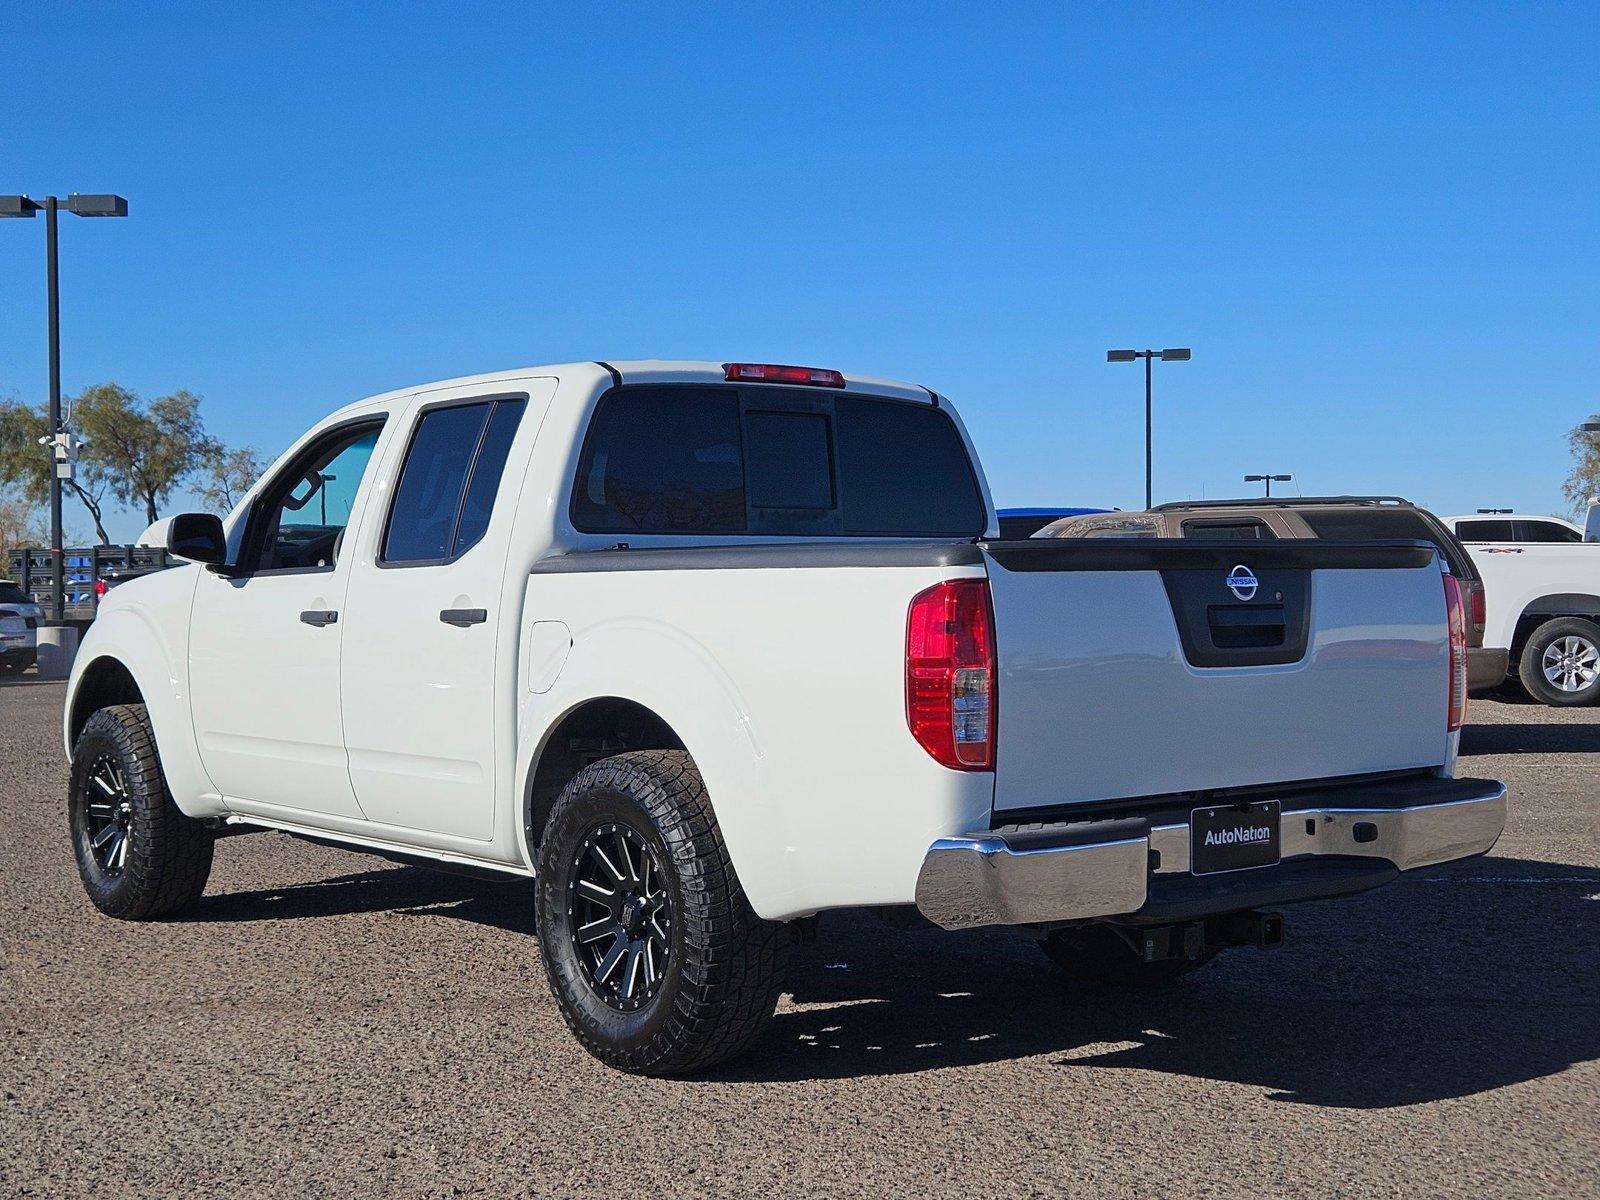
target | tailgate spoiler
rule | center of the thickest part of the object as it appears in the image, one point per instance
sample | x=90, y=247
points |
x=1181, y=554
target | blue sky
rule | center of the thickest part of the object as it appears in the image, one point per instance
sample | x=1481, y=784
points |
x=1378, y=227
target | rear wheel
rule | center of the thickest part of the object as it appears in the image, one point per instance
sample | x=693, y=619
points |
x=139, y=857
x=655, y=957
x=1096, y=955
x=1560, y=664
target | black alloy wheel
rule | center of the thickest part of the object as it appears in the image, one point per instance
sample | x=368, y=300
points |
x=620, y=912
x=107, y=813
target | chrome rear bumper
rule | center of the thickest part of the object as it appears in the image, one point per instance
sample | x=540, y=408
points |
x=1031, y=875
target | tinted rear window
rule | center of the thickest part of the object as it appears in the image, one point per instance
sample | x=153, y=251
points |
x=773, y=461
x=1381, y=524
x=11, y=594
x=1248, y=530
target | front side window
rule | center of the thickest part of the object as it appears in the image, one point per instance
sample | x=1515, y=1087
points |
x=302, y=518
x=449, y=480
x=773, y=461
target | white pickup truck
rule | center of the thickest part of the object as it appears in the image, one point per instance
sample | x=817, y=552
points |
x=1541, y=583
x=707, y=649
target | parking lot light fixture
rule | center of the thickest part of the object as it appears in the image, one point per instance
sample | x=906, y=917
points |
x=1171, y=354
x=92, y=205
x=1269, y=480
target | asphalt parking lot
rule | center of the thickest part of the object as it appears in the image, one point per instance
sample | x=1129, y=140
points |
x=328, y=1023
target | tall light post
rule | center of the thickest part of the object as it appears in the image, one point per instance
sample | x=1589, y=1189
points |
x=1269, y=480
x=1180, y=354
x=60, y=440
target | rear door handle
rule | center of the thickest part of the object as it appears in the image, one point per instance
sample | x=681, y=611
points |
x=319, y=616
x=463, y=617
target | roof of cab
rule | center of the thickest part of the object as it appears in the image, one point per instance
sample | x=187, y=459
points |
x=632, y=371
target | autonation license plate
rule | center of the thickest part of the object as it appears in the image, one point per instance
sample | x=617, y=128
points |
x=1232, y=837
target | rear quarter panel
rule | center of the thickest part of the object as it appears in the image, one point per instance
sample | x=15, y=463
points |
x=787, y=686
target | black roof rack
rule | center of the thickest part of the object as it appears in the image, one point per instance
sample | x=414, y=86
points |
x=1282, y=502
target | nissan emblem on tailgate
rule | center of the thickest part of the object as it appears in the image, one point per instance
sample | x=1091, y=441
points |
x=1242, y=582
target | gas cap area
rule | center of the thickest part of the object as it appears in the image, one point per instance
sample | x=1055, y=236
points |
x=548, y=645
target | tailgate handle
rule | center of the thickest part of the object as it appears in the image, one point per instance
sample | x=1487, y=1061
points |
x=463, y=617
x=1241, y=626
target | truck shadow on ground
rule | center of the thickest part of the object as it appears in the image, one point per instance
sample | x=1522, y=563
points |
x=406, y=890
x=1451, y=982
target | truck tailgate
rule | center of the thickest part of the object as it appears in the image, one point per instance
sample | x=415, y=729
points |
x=1133, y=668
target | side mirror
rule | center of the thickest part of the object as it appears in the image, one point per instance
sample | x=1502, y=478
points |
x=197, y=537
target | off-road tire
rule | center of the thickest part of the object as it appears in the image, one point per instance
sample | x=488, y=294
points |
x=1530, y=666
x=726, y=966
x=168, y=855
x=1095, y=955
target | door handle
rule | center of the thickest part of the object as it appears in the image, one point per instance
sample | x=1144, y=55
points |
x=319, y=616
x=462, y=617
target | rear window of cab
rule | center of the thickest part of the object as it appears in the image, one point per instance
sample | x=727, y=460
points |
x=773, y=461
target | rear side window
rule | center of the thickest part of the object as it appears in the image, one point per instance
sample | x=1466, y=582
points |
x=773, y=461
x=1247, y=530
x=1547, y=532
x=448, y=483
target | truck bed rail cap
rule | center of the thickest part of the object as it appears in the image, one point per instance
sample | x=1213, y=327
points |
x=765, y=556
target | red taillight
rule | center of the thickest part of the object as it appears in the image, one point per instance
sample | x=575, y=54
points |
x=8, y=612
x=1457, y=618
x=1479, y=609
x=950, y=675
x=770, y=373
x=100, y=587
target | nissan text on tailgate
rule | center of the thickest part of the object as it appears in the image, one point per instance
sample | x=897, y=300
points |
x=706, y=649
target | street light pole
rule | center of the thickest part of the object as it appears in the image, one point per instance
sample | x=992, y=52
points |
x=1178, y=354
x=59, y=441
x=58, y=571
x=1269, y=480
x=1149, y=450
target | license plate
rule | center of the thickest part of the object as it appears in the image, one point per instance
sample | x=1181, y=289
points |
x=1231, y=837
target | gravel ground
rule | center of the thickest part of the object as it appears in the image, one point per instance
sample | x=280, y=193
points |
x=327, y=1023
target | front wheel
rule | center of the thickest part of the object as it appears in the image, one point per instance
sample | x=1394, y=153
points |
x=655, y=957
x=139, y=857
x=1560, y=665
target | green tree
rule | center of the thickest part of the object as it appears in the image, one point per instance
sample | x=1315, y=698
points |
x=1583, y=481
x=225, y=474
x=27, y=466
x=20, y=525
x=147, y=450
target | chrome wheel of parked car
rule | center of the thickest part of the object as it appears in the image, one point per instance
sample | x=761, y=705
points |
x=1571, y=663
x=621, y=916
